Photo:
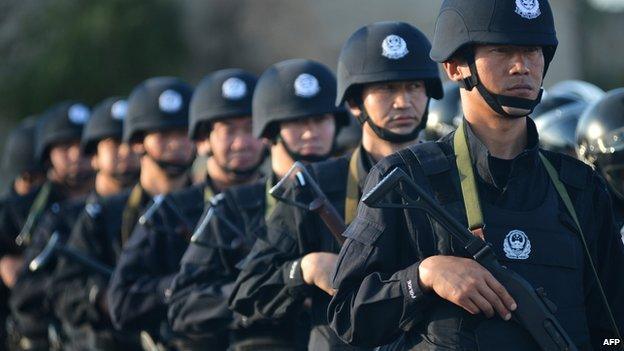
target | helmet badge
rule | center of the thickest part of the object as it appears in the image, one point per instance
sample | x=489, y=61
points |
x=306, y=86
x=394, y=47
x=170, y=101
x=528, y=9
x=78, y=114
x=119, y=109
x=234, y=89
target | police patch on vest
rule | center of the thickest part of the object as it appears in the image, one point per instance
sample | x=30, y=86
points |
x=170, y=101
x=528, y=9
x=78, y=114
x=234, y=89
x=306, y=85
x=119, y=109
x=394, y=47
x=517, y=245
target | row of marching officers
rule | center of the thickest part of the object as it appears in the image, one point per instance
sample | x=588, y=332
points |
x=109, y=243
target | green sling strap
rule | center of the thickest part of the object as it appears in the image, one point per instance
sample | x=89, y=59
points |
x=475, y=214
x=353, y=193
x=35, y=212
x=270, y=201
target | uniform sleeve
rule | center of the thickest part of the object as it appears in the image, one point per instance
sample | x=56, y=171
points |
x=377, y=287
x=199, y=293
x=29, y=304
x=270, y=284
x=78, y=288
x=137, y=291
x=608, y=254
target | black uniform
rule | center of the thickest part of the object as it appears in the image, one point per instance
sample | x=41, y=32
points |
x=100, y=233
x=30, y=305
x=138, y=290
x=200, y=291
x=271, y=282
x=379, y=298
x=13, y=212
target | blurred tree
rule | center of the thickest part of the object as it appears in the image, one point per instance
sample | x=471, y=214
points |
x=87, y=50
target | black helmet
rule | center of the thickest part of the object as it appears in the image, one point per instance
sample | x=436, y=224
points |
x=557, y=127
x=19, y=149
x=578, y=89
x=61, y=123
x=600, y=138
x=157, y=104
x=106, y=122
x=384, y=52
x=552, y=100
x=222, y=94
x=294, y=89
x=463, y=23
x=444, y=114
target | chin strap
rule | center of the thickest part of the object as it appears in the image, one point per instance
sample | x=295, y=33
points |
x=173, y=169
x=305, y=158
x=390, y=136
x=496, y=101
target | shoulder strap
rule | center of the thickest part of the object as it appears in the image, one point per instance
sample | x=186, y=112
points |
x=36, y=210
x=436, y=166
x=565, y=197
x=353, y=193
x=131, y=213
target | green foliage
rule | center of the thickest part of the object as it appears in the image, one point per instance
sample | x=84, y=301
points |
x=85, y=50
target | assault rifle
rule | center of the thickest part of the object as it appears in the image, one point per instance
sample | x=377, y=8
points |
x=534, y=312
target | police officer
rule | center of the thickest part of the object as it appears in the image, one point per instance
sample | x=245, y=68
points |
x=19, y=162
x=198, y=303
x=400, y=274
x=79, y=290
x=444, y=114
x=152, y=256
x=387, y=79
x=599, y=138
x=58, y=202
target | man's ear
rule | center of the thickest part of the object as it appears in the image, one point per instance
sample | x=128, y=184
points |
x=94, y=162
x=138, y=148
x=354, y=108
x=455, y=69
x=203, y=147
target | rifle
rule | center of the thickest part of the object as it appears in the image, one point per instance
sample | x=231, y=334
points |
x=213, y=212
x=534, y=312
x=319, y=205
x=54, y=247
x=159, y=200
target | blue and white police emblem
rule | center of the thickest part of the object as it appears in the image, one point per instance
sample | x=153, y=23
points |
x=306, y=85
x=234, y=89
x=119, y=110
x=528, y=9
x=170, y=101
x=517, y=245
x=394, y=47
x=78, y=114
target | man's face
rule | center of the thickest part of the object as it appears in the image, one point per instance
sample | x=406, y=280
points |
x=68, y=161
x=233, y=145
x=311, y=136
x=395, y=106
x=114, y=158
x=510, y=70
x=169, y=146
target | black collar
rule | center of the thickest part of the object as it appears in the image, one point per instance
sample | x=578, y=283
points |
x=481, y=156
